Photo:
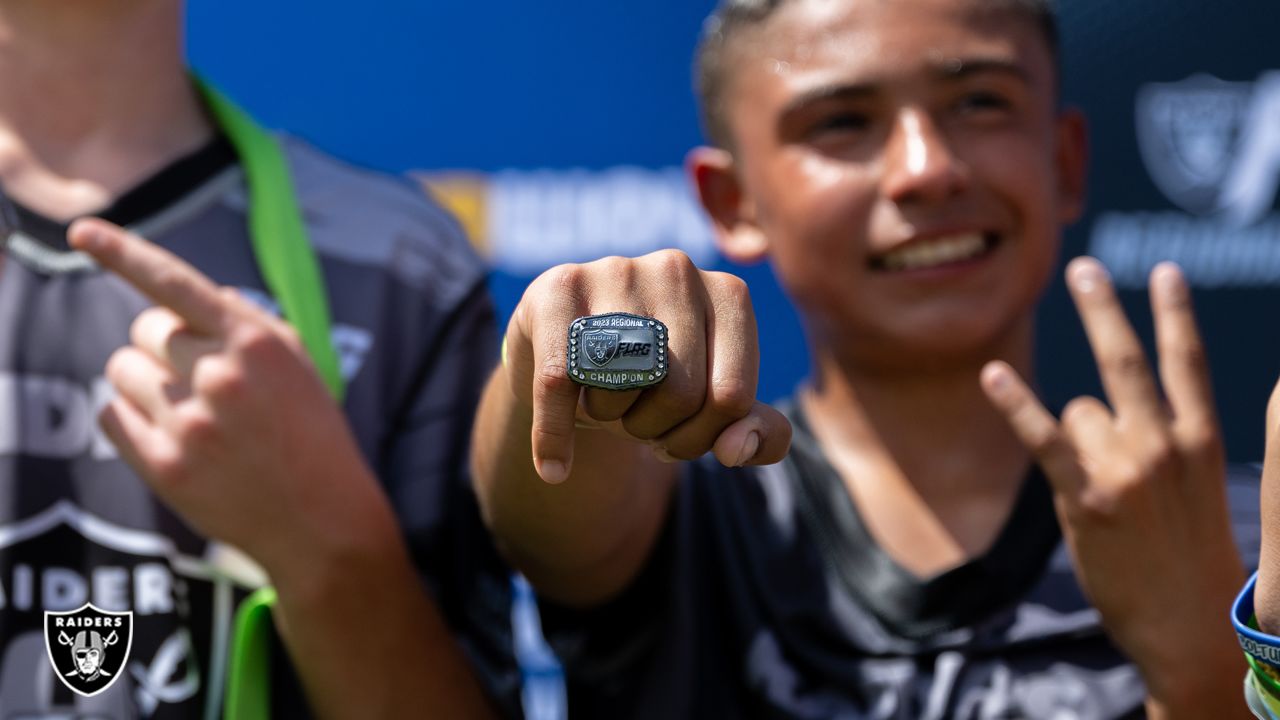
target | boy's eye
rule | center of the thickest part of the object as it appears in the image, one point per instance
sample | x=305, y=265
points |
x=983, y=101
x=840, y=122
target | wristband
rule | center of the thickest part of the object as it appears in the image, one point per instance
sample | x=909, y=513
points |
x=1260, y=649
x=1256, y=644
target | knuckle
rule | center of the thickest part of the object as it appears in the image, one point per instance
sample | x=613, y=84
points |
x=235, y=299
x=679, y=403
x=730, y=288
x=117, y=366
x=558, y=286
x=194, y=425
x=552, y=378
x=1161, y=454
x=168, y=279
x=252, y=337
x=168, y=465
x=1128, y=475
x=291, y=339
x=1203, y=440
x=219, y=380
x=563, y=279
x=1192, y=355
x=731, y=398
x=1077, y=410
x=729, y=296
x=620, y=270
x=151, y=320
x=1097, y=505
x=258, y=343
x=1041, y=440
x=674, y=264
x=544, y=432
x=1126, y=364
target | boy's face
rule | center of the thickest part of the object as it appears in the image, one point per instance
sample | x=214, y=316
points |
x=903, y=164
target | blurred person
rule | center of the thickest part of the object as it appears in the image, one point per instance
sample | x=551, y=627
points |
x=248, y=471
x=936, y=543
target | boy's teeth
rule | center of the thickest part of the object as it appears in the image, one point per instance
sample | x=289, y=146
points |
x=935, y=252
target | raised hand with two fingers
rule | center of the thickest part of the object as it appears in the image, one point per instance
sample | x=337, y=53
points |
x=1140, y=492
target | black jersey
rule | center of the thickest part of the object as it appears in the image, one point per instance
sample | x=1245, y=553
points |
x=766, y=597
x=415, y=335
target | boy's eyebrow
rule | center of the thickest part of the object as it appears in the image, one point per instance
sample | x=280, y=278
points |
x=956, y=68
x=850, y=91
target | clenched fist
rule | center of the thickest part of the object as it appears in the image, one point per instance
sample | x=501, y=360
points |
x=706, y=403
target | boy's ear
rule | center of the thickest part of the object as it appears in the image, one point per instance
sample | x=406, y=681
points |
x=733, y=216
x=1072, y=159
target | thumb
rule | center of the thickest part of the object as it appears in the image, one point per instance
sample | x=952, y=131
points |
x=761, y=438
x=554, y=399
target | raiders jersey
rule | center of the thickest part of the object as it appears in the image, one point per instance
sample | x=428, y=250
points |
x=766, y=597
x=415, y=335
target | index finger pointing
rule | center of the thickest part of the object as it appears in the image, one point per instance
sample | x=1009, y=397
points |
x=156, y=272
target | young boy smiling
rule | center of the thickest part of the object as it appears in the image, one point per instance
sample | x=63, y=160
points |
x=936, y=544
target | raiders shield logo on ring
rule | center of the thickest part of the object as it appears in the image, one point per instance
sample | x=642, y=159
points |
x=88, y=647
x=617, y=351
x=601, y=346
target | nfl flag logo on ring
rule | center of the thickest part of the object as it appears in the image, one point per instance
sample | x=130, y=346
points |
x=617, y=351
x=88, y=647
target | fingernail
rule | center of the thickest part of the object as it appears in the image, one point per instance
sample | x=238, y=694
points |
x=88, y=238
x=1087, y=275
x=1168, y=280
x=553, y=471
x=995, y=377
x=749, y=448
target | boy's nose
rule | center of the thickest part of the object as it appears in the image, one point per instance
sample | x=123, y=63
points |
x=919, y=163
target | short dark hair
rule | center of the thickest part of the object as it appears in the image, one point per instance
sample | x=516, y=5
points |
x=732, y=17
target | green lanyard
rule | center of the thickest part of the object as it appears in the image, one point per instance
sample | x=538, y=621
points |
x=292, y=274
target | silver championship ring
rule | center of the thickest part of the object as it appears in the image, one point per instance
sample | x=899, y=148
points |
x=617, y=351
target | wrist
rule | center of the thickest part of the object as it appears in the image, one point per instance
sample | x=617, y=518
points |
x=336, y=562
x=1201, y=679
x=322, y=549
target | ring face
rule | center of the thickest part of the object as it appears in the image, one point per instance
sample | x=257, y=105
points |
x=617, y=351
